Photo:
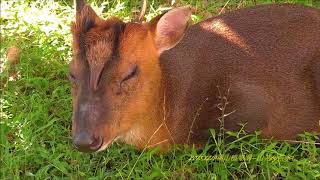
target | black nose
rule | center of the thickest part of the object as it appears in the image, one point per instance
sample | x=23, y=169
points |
x=86, y=142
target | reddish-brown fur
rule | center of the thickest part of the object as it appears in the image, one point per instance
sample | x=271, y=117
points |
x=265, y=60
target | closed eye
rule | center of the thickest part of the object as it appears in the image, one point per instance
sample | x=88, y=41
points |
x=133, y=72
x=72, y=78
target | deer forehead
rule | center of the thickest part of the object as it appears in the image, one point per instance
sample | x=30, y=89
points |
x=136, y=43
x=99, y=53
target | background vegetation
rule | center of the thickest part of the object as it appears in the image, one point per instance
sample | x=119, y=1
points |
x=35, y=111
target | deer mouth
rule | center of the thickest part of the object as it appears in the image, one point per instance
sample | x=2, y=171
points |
x=104, y=145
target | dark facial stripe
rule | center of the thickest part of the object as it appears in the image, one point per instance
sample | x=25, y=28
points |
x=118, y=30
x=102, y=52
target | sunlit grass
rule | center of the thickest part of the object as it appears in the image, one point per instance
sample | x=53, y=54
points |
x=36, y=110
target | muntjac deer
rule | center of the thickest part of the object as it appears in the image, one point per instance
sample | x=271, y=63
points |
x=161, y=83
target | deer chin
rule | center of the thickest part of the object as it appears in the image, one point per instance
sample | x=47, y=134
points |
x=107, y=144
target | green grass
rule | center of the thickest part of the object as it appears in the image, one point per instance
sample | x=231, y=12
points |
x=35, y=112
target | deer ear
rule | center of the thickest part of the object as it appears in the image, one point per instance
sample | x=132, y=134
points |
x=169, y=28
x=86, y=19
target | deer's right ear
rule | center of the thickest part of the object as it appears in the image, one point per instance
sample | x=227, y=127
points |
x=168, y=29
x=86, y=18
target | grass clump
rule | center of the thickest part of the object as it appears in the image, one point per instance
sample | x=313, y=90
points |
x=36, y=110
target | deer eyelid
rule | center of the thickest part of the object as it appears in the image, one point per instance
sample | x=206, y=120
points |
x=132, y=73
x=72, y=78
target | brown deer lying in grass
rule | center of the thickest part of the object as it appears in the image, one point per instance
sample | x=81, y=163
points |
x=161, y=83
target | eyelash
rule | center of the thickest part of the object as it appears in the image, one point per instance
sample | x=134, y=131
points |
x=72, y=79
x=131, y=74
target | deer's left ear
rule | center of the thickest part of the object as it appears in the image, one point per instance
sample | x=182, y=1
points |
x=168, y=29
